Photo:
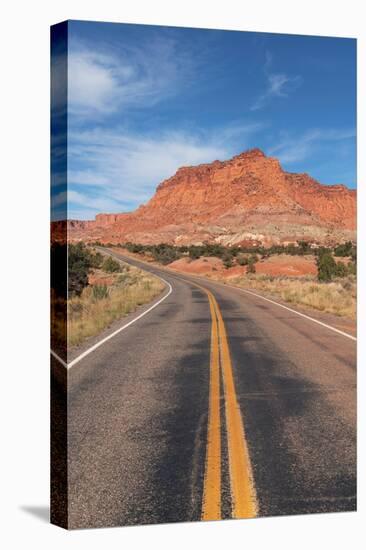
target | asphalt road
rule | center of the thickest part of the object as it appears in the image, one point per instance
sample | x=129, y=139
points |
x=213, y=405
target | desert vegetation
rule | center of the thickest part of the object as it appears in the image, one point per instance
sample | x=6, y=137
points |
x=330, y=288
x=326, y=257
x=100, y=291
x=337, y=297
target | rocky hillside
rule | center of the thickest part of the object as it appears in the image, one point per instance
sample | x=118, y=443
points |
x=247, y=199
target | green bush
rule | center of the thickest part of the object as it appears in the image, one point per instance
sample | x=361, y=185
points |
x=242, y=260
x=194, y=253
x=125, y=278
x=164, y=253
x=303, y=247
x=111, y=266
x=135, y=248
x=79, y=264
x=251, y=264
x=100, y=292
x=341, y=270
x=167, y=253
x=96, y=260
x=216, y=250
x=344, y=249
x=227, y=259
x=327, y=267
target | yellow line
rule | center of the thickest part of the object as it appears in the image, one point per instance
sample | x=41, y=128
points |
x=211, y=506
x=244, y=502
x=243, y=494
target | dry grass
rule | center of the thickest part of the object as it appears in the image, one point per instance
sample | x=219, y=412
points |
x=337, y=297
x=93, y=311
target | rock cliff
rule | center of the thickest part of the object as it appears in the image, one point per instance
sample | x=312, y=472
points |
x=246, y=199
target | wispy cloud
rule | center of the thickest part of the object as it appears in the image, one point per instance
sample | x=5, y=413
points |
x=278, y=85
x=103, y=81
x=291, y=148
x=114, y=171
x=90, y=203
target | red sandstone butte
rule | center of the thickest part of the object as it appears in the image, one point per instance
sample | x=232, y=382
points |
x=247, y=199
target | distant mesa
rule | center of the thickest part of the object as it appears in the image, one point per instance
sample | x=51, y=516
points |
x=248, y=198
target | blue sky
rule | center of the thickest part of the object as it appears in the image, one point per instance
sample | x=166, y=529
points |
x=144, y=100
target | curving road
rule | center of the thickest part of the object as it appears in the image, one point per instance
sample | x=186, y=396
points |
x=215, y=404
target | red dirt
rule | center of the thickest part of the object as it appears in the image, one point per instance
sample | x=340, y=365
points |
x=202, y=266
x=97, y=278
x=292, y=266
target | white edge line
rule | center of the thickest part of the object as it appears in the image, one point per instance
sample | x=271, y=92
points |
x=63, y=363
x=294, y=311
x=267, y=300
x=273, y=302
x=101, y=342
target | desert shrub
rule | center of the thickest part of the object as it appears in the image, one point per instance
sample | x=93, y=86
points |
x=227, y=259
x=78, y=279
x=96, y=260
x=304, y=247
x=251, y=265
x=341, y=270
x=111, y=266
x=327, y=267
x=235, y=250
x=166, y=257
x=322, y=250
x=194, y=252
x=135, y=248
x=123, y=278
x=242, y=260
x=100, y=292
x=344, y=249
x=94, y=310
x=215, y=250
x=79, y=264
x=164, y=253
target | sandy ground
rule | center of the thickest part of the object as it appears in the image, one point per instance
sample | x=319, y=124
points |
x=292, y=266
x=280, y=265
x=98, y=277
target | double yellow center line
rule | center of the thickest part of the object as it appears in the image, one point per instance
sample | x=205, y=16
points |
x=243, y=496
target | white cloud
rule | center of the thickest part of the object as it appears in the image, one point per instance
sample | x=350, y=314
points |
x=102, y=82
x=292, y=148
x=93, y=82
x=59, y=200
x=113, y=171
x=100, y=204
x=278, y=85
